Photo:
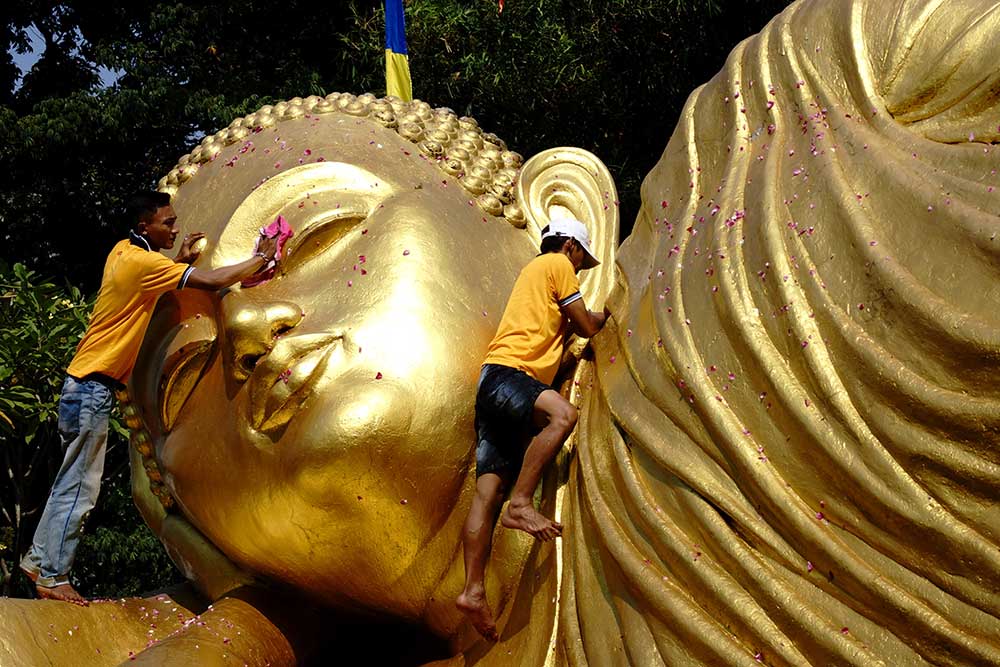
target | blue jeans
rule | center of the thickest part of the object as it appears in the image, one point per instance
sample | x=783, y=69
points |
x=84, y=409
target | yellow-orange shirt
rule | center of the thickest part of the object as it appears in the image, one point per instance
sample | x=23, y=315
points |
x=134, y=278
x=531, y=331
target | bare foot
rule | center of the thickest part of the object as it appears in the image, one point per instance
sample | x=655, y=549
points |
x=475, y=607
x=63, y=592
x=528, y=519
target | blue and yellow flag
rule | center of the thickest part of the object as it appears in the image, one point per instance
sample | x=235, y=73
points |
x=397, y=64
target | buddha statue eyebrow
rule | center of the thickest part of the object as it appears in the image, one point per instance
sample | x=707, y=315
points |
x=479, y=161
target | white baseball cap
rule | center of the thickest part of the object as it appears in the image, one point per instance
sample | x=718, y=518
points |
x=576, y=230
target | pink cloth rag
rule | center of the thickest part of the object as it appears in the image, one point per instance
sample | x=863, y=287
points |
x=283, y=231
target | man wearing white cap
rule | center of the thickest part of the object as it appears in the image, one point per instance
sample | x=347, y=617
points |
x=521, y=422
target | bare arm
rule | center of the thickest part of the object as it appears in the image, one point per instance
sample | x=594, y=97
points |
x=224, y=276
x=585, y=322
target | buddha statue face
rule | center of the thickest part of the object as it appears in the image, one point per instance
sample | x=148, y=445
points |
x=317, y=428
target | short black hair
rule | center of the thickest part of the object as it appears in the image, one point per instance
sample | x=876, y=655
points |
x=143, y=205
x=552, y=243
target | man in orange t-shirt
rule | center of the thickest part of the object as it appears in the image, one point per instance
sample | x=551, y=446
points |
x=135, y=275
x=521, y=422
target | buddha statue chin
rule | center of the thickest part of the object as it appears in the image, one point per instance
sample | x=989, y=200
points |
x=787, y=445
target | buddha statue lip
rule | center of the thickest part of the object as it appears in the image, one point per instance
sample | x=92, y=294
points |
x=286, y=376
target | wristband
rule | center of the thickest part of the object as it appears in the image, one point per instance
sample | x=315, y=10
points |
x=263, y=256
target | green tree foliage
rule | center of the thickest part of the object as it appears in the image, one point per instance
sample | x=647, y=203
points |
x=41, y=324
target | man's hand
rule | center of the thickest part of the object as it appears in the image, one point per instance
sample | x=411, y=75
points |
x=268, y=247
x=186, y=255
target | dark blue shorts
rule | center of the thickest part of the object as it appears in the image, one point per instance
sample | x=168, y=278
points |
x=505, y=405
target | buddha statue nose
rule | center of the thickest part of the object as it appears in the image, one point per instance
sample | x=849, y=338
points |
x=251, y=329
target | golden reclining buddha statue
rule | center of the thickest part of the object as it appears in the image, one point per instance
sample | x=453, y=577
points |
x=787, y=450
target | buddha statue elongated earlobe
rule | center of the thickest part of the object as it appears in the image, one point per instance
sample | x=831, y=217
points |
x=573, y=183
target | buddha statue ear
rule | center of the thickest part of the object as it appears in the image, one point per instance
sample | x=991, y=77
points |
x=574, y=183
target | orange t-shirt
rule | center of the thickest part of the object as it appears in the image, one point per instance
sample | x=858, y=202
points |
x=134, y=278
x=532, y=329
